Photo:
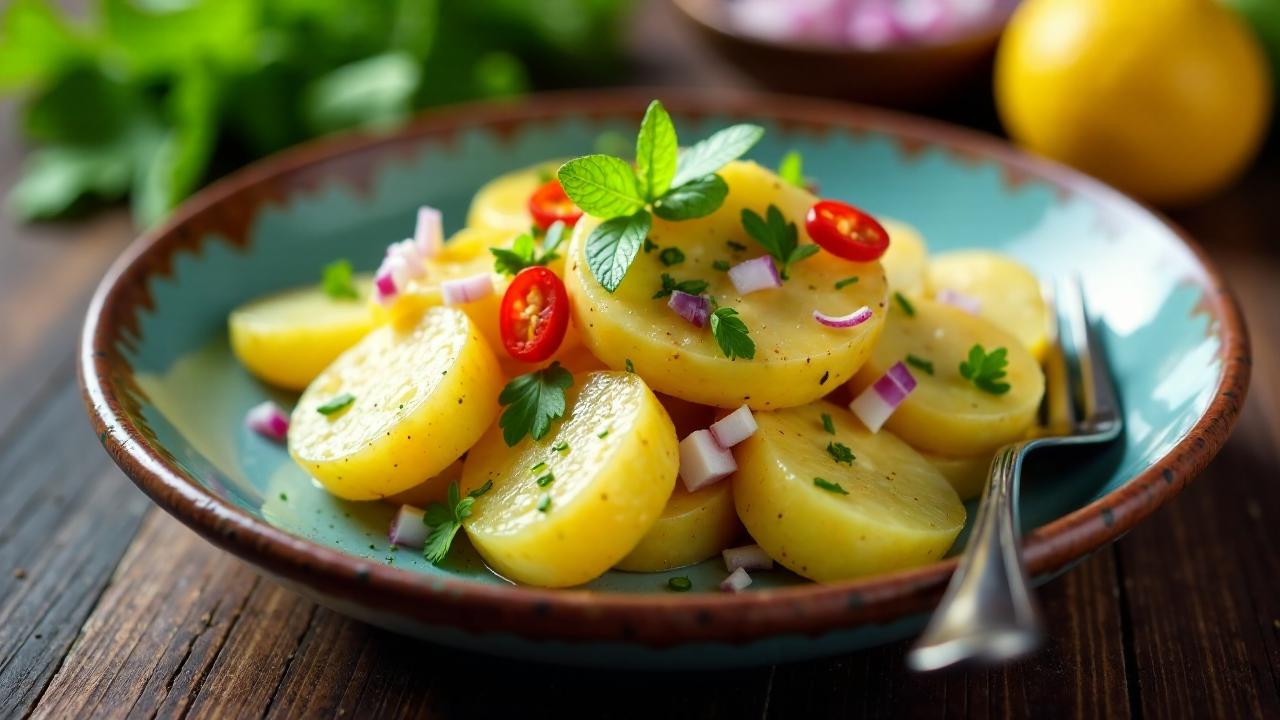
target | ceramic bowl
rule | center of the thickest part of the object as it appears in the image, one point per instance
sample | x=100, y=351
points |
x=168, y=399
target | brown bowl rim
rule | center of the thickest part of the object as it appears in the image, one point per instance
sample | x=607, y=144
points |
x=651, y=619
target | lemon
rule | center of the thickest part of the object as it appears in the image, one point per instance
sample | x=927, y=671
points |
x=1166, y=99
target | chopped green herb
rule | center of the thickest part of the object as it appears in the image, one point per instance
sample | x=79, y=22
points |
x=337, y=404
x=732, y=334
x=791, y=169
x=337, y=282
x=721, y=265
x=538, y=468
x=445, y=520
x=986, y=369
x=830, y=486
x=524, y=251
x=827, y=424
x=603, y=434
x=905, y=304
x=920, y=363
x=546, y=480
x=777, y=236
x=532, y=401
x=671, y=256
x=846, y=282
x=544, y=503
x=649, y=246
x=670, y=285
x=735, y=246
x=840, y=453
x=284, y=497
x=486, y=487
x=630, y=367
x=680, y=584
x=560, y=446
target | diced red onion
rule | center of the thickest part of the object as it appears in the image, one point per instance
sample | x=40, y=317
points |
x=853, y=319
x=693, y=308
x=747, y=557
x=428, y=234
x=755, y=274
x=872, y=25
x=703, y=462
x=268, y=420
x=734, y=427
x=384, y=285
x=737, y=581
x=922, y=18
x=874, y=405
x=467, y=289
x=967, y=303
x=407, y=528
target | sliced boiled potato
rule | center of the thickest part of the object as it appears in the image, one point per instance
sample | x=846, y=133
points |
x=422, y=395
x=693, y=527
x=946, y=413
x=611, y=478
x=503, y=203
x=796, y=359
x=287, y=338
x=904, y=261
x=968, y=475
x=896, y=510
x=1008, y=291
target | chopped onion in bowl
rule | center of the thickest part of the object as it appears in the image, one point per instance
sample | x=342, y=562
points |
x=737, y=581
x=467, y=289
x=967, y=303
x=734, y=427
x=873, y=26
x=853, y=319
x=408, y=528
x=384, y=286
x=747, y=557
x=755, y=274
x=693, y=308
x=874, y=405
x=703, y=462
x=428, y=234
x=268, y=420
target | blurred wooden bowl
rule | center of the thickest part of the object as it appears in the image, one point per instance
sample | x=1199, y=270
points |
x=912, y=74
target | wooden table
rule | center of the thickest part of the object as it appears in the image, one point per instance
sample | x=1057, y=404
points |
x=110, y=607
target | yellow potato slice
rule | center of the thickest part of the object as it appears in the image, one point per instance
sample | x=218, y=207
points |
x=796, y=359
x=692, y=527
x=423, y=395
x=899, y=511
x=503, y=203
x=968, y=475
x=286, y=339
x=947, y=414
x=611, y=481
x=1009, y=293
x=904, y=261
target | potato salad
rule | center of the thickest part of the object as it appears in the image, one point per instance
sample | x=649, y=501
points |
x=641, y=363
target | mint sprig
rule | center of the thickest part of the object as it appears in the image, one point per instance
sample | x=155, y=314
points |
x=665, y=182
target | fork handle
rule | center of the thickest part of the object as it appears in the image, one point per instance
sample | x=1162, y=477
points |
x=988, y=612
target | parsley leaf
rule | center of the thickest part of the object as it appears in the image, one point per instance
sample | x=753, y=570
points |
x=711, y=154
x=920, y=363
x=337, y=282
x=669, y=285
x=446, y=519
x=829, y=486
x=731, y=334
x=671, y=256
x=532, y=401
x=524, y=251
x=791, y=169
x=612, y=247
x=697, y=198
x=905, y=304
x=656, y=152
x=827, y=424
x=601, y=185
x=986, y=369
x=337, y=404
x=840, y=453
x=778, y=237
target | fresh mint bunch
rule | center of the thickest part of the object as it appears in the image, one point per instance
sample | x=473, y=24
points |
x=664, y=181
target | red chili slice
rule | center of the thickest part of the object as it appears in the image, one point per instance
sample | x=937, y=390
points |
x=549, y=203
x=845, y=231
x=534, y=315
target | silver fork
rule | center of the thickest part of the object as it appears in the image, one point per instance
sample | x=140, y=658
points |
x=988, y=612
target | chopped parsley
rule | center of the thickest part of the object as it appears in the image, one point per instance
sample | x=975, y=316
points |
x=829, y=486
x=986, y=369
x=721, y=265
x=840, y=453
x=337, y=282
x=920, y=363
x=544, y=502
x=732, y=334
x=444, y=521
x=546, y=480
x=846, y=282
x=680, y=584
x=670, y=284
x=791, y=169
x=538, y=468
x=560, y=446
x=649, y=246
x=524, y=251
x=671, y=256
x=827, y=424
x=905, y=304
x=532, y=401
x=602, y=434
x=284, y=497
x=735, y=245
x=777, y=236
x=337, y=404
x=631, y=368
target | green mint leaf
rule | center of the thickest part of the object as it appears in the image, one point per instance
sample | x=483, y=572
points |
x=337, y=404
x=732, y=334
x=671, y=256
x=840, y=453
x=920, y=363
x=694, y=199
x=842, y=284
x=602, y=186
x=791, y=169
x=680, y=584
x=905, y=304
x=829, y=486
x=337, y=282
x=656, y=152
x=827, y=424
x=986, y=369
x=371, y=92
x=532, y=401
x=551, y=242
x=708, y=156
x=670, y=284
x=612, y=247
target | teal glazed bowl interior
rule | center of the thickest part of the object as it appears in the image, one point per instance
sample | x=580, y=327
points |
x=168, y=398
